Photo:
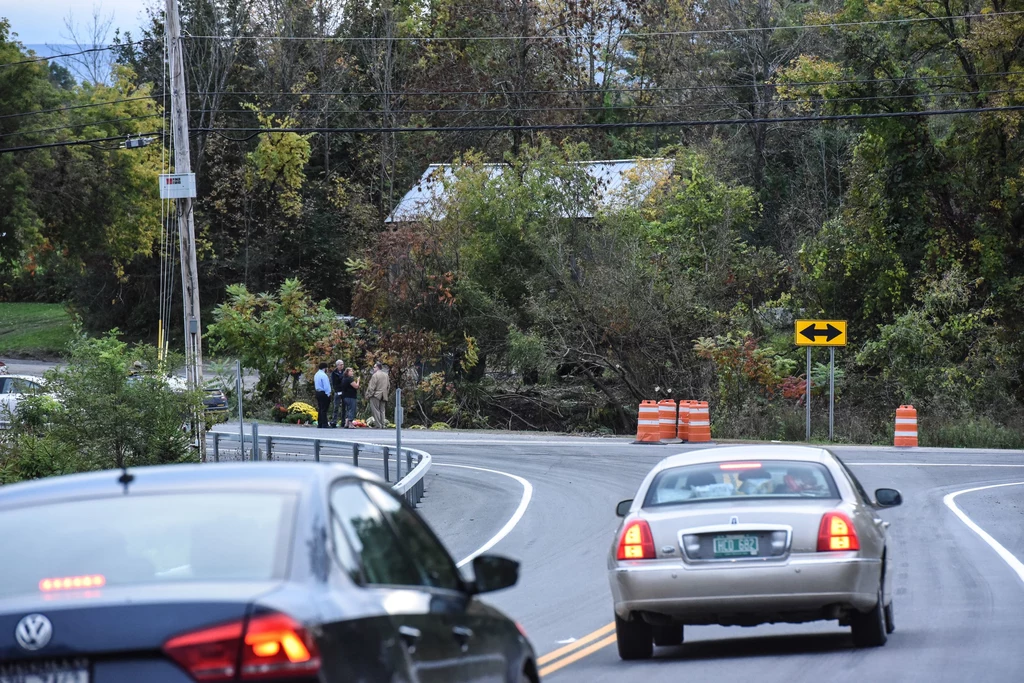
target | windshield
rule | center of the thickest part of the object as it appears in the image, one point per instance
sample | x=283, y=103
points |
x=144, y=539
x=731, y=480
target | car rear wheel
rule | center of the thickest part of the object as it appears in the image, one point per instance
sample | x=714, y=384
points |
x=634, y=638
x=668, y=635
x=869, y=628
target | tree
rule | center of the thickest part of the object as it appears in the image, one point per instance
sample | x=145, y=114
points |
x=96, y=414
x=270, y=333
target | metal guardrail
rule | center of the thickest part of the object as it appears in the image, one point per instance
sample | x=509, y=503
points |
x=275, y=447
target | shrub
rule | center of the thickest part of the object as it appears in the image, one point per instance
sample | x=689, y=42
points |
x=279, y=413
x=301, y=413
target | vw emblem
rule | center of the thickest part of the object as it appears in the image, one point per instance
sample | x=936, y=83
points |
x=33, y=632
x=734, y=520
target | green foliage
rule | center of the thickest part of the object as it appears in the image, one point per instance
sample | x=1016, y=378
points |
x=270, y=333
x=97, y=415
x=944, y=354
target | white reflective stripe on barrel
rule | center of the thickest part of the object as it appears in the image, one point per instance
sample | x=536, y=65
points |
x=899, y=434
x=906, y=420
x=703, y=423
x=647, y=422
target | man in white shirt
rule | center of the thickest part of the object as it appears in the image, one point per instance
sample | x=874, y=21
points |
x=322, y=385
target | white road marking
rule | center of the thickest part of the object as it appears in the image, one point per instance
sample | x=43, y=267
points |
x=1008, y=557
x=524, y=503
x=565, y=642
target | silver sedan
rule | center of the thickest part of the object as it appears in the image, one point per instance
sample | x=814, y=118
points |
x=750, y=535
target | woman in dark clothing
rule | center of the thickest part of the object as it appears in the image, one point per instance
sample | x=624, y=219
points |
x=349, y=389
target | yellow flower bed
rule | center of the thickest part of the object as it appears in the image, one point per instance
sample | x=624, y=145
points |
x=301, y=411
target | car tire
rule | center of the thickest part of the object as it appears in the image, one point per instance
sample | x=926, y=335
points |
x=634, y=638
x=869, y=628
x=668, y=635
x=890, y=623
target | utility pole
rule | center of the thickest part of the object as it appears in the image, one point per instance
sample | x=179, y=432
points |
x=186, y=225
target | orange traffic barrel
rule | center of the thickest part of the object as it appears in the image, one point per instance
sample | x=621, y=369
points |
x=667, y=420
x=906, y=426
x=684, y=420
x=700, y=422
x=647, y=428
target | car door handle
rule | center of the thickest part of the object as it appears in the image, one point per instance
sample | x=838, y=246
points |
x=410, y=636
x=462, y=634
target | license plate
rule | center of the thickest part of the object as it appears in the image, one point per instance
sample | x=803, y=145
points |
x=736, y=546
x=65, y=671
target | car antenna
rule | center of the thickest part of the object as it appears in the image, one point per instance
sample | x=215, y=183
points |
x=125, y=478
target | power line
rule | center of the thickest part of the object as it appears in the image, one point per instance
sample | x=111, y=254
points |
x=69, y=143
x=79, y=106
x=74, y=54
x=558, y=91
x=627, y=106
x=626, y=34
x=599, y=126
x=80, y=125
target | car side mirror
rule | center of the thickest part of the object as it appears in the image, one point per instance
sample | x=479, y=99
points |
x=888, y=498
x=493, y=573
x=622, y=509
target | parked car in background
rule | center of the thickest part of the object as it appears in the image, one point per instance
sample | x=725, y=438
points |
x=12, y=389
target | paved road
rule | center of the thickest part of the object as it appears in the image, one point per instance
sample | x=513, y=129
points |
x=959, y=605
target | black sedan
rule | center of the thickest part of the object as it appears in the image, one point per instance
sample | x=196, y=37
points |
x=241, y=572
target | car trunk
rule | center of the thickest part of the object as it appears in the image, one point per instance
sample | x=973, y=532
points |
x=738, y=517
x=123, y=622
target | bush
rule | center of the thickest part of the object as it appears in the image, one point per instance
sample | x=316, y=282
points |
x=279, y=413
x=968, y=432
x=301, y=413
x=100, y=413
x=37, y=411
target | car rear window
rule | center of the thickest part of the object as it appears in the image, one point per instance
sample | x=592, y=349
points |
x=747, y=479
x=132, y=539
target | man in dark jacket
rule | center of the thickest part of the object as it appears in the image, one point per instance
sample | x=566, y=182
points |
x=336, y=376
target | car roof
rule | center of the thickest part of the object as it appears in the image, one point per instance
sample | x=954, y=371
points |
x=32, y=378
x=181, y=478
x=751, y=452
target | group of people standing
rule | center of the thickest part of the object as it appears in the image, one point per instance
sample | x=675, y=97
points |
x=341, y=387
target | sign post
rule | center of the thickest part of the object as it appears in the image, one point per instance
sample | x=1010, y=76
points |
x=830, y=333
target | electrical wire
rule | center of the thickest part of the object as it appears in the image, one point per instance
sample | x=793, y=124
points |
x=603, y=126
x=80, y=125
x=625, y=34
x=79, y=106
x=455, y=93
x=629, y=106
x=70, y=143
x=74, y=54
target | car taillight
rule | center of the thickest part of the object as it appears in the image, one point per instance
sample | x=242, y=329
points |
x=837, y=533
x=636, y=542
x=276, y=646
x=268, y=646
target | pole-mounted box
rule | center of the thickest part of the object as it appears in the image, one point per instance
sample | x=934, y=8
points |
x=177, y=185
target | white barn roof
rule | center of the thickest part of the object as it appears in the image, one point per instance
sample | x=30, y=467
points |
x=619, y=183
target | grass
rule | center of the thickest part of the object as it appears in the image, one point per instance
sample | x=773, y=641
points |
x=34, y=330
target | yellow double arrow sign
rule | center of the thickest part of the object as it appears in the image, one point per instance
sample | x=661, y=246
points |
x=820, y=332
x=577, y=650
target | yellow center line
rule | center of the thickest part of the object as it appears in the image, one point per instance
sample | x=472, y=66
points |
x=575, y=657
x=575, y=645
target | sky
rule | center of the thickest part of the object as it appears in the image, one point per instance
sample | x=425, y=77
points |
x=41, y=22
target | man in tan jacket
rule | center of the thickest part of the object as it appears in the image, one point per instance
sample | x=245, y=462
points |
x=377, y=392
